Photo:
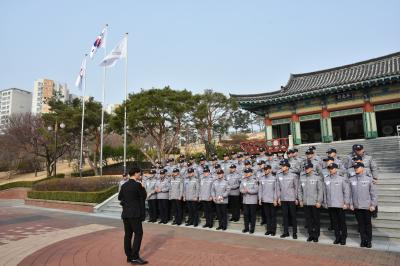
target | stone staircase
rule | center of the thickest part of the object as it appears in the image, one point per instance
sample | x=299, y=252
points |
x=386, y=227
x=385, y=151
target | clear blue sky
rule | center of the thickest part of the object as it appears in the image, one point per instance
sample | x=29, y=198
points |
x=229, y=46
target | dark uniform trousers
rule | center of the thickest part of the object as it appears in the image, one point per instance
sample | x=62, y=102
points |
x=289, y=212
x=249, y=213
x=163, y=208
x=208, y=211
x=270, y=215
x=152, y=209
x=222, y=214
x=364, y=224
x=234, y=207
x=193, y=214
x=177, y=210
x=339, y=223
x=132, y=225
x=312, y=215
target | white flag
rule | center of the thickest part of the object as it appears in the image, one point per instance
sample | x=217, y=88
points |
x=79, y=79
x=100, y=42
x=119, y=51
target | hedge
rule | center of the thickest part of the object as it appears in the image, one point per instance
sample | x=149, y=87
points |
x=27, y=184
x=73, y=196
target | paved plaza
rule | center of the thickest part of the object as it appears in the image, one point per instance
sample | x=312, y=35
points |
x=36, y=236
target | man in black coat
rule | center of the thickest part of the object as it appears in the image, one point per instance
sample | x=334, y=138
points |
x=132, y=196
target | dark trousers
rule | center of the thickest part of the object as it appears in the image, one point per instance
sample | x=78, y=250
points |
x=177, y=211
x=289, y=210
x=270, y=215
x=339, y=223
x=234, y=207
x=263, y=217
x=163, y=208
x=193, y=215
x=364, y=224
x=312, y=220
x=208, y=212
x=222, y=214
x=249, y=213
x=152, y=209
x=132, y=225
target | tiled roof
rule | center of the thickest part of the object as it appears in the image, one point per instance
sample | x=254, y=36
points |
x=381, y=68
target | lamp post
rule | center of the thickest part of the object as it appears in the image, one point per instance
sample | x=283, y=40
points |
x=50, y=128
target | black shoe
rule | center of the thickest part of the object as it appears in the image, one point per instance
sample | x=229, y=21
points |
x=267, y=233
x=294, y=236
x=310, y=238
x=188, y=224
x=195, y=225
x=138, y=261
x=272, y=234
x=218, y=228
x=284, y=235
x=315, y=239
x=251, y=231
x=223, y=228
x=231, y=220
x=245, y=230
x=174, y=223
x=368, y=245
x=363, y=244
x=343, y=242
x=262, y=223
x=337, y=241
x=204, y=226
x=150, y=221
x=210, y=226
x=160, y=222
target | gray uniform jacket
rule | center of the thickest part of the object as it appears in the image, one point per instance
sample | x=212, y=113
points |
x=251, y=184
x=274, y=165
x=191, y=188
x=220, y=187
x=150, y=186
x=267, y=190
x=295, y=166
x=363, y=192
x=164, y=186
x=337, y=191
x=234, y=183
x=205, y=188
x=311, y=189
x=176, y=190
x=288, y=184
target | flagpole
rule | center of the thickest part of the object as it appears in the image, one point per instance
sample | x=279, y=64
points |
x=83, y=118
x=126, y=98
x=102, y=108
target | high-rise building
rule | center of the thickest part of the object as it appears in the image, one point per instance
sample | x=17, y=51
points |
x=43, y=90
x=13, y=101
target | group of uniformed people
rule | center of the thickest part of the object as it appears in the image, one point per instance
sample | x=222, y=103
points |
x=267, y=181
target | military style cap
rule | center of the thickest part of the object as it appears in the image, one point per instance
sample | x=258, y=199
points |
x=233, y=152
x=217, y=166
x=358, y=165
x=206, y=170
x=310, y=151
x=312, y=148
x=246, y=154
x=295, y=150
x=330, y=150
x=232, y=166
x=226, y=155
x=191, y=158
x=328, y=158
x=220, y=171
x=284, y=162
x=202, y=158
x=214, y=159
x=181, y=161
x=289, y=151
x=152, y=171
x=181, y=156
x=163, y=171
x=358, y=147
x=269, y=154
x=176, y=170
x=160, y=167
x=190, y=170
x=248, y=170
x=188, y=164
x=261, y=162
x=261, y=149
x=247, y=162
x=253, y=156
x=239, y=155
x=308, y=165
x=357, y=158
x=333, y=165
x=267, y=167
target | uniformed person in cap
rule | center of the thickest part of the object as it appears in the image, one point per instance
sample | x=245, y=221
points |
x=268, y=198
x=363, y=201
x=162, y=190
x=220, y=192
x=233, y=178
x=206, y=198
x=337, y=192
x=273, y=162
x=310, y=196
x=150, y=186
x=239, y=163
x=249, y=190
x=202, y=165
x=262, y=156
x=288, y=188
x=225, y=163
x=191, y=190
x=175, y=196
x=260, y=169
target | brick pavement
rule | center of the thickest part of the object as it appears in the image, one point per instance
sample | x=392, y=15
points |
x=68, y=240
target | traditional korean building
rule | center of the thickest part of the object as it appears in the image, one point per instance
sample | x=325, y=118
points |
x=360, y=100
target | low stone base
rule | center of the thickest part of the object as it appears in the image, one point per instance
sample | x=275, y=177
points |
x=14, y=193
x=65, y=205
